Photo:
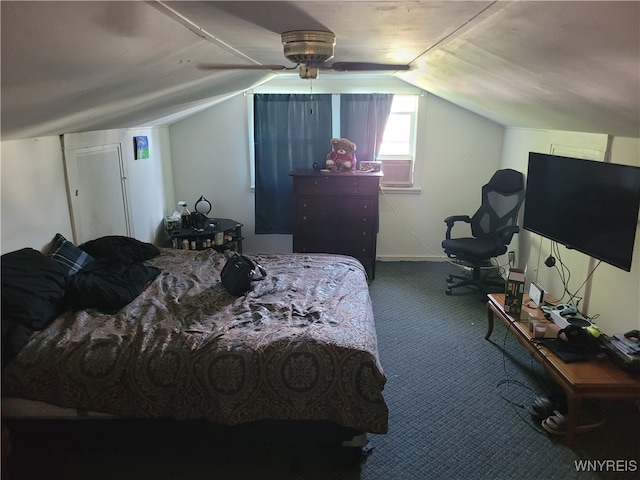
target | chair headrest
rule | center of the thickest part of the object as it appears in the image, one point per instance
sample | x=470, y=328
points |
x=507, y=181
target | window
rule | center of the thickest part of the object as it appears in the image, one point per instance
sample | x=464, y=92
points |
x=397, y=152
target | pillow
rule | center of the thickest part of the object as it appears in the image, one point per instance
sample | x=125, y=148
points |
x=116, y=246
x=65, y=252
x=33, y=288
x=109, y=284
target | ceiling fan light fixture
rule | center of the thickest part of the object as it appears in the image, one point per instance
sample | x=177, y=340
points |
x=308, y=46
x=307, y=72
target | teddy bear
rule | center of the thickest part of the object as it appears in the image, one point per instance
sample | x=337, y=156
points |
x=342, y=157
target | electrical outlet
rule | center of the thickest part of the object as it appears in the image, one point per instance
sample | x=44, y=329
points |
x=512, y=257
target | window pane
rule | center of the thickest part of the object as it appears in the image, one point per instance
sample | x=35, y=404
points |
x=397, y=135
x=398, y=143
x=404, y=103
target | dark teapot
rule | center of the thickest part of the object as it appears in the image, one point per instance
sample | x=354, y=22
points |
x=199, y=221
x=202, y=205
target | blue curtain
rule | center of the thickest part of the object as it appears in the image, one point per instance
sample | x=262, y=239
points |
x=290, y=132
x=363, y=118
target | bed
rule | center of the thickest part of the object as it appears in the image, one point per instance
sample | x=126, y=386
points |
x=299, y=346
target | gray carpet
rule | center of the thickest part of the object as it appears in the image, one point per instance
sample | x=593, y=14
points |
x=456, y=406
x=455, y=397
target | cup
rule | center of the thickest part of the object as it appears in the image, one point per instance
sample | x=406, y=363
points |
x=539, y=329
x=532, y=321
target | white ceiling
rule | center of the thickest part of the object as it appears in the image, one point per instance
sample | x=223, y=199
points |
x=81, y=66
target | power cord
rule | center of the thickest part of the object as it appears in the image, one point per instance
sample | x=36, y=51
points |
x=517, y=407
x=565, y=276
x=563, y=271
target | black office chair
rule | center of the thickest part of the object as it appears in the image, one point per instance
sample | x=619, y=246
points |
x=492, y=227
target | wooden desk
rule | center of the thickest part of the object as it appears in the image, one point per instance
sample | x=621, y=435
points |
x=597, y=378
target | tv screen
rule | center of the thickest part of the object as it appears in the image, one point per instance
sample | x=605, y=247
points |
x=585, y=205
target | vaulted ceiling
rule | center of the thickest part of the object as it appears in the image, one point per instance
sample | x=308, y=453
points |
x=81, y=66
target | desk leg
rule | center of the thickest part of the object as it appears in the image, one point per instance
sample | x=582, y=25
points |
x=573, y=407
x=489, y=322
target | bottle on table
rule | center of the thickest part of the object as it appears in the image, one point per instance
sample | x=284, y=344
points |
x=185, y=214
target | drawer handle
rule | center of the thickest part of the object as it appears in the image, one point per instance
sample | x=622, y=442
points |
x=304, y=217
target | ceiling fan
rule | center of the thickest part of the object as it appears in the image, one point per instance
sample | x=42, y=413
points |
x=310, y=50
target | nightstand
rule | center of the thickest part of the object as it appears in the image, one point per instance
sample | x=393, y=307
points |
x=219, y=233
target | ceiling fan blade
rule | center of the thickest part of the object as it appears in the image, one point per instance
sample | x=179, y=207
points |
x=363, y=67
x=222, y=66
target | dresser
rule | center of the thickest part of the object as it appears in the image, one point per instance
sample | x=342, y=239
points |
x=336, y=213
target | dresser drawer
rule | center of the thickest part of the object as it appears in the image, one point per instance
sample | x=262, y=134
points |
x=356, y=242
x=359, y=242
x=345, y=184
x=358, y=211
x=333, y=210
x=313, y=209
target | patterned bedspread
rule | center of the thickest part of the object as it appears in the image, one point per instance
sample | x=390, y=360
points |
x=301, y=345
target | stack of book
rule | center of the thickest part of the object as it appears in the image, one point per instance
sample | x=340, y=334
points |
x=623, y=351
x=625, y=345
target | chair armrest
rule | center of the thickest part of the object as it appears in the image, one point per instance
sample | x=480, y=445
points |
x=506, y=232
x=450, y=221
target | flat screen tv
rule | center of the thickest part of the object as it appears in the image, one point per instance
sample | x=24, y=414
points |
x=586, y=205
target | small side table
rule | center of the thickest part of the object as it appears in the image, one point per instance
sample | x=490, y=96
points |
x=220, y=233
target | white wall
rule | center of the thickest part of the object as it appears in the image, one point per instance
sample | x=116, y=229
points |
x=34, y=198
x=210, y=153
x=459, y=151
x=614, y=293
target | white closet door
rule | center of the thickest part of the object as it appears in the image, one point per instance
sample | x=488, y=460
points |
x=98, y=192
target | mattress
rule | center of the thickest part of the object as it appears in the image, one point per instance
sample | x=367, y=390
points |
x=300, y=345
